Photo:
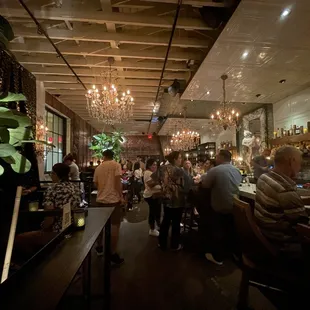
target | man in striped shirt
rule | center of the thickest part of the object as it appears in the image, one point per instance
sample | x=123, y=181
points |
x=278, y=207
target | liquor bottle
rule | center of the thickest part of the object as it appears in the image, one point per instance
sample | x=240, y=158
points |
x=279, y=133
x=291, y=131
x=294, y=129
x=297, y=130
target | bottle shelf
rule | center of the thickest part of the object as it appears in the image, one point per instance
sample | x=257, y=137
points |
x=290, y=139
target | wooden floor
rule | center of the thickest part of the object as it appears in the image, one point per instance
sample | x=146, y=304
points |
x=155, y=280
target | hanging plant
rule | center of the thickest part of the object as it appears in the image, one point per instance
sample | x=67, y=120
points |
x=102, y=142
x=15, y=131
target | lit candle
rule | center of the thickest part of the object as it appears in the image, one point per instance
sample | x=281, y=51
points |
x=81, y=222
x=33, y=206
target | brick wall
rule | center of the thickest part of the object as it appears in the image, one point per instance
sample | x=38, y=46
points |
x=140, y=145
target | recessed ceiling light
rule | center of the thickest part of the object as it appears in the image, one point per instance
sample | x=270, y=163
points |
x=282, y=81
x=245, y=54
x=208, y=92
x=285, y=13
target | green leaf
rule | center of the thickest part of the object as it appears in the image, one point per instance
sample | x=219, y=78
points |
x=22, y=164
x=23, y=131
x=1, y=170
x=8, y=122
x=10, y=160
x=13, y=97
x=6, y=149
x=4, y=109
x=4, y=135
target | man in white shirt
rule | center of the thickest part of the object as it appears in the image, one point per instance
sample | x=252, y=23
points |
x=107, y=179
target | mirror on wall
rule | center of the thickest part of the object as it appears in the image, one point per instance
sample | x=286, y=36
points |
x=253, y=132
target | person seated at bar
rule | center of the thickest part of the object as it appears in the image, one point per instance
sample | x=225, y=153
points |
x=223, y=181
x=278, y=207
x=59, y=194
x=261, y=164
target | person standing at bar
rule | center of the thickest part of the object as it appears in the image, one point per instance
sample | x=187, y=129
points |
x=107, y=179
x=261, y=164
x=175, y=184
x=223, y=182
x=151, y=196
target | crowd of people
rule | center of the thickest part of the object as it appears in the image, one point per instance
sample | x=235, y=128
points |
x=166, y=188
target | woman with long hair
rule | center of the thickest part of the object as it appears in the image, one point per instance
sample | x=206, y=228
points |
x=188, y=169
x=175, y=185
x=152, y=197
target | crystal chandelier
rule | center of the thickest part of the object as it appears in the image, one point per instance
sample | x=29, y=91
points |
x=184, y=139
x=105, y=105
x=226, y=116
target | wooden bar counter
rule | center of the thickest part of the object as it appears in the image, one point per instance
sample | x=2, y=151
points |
x=45, y=285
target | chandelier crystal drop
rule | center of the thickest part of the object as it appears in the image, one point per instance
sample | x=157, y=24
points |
x=226, y=116
x=184, y=139
x=106, y=106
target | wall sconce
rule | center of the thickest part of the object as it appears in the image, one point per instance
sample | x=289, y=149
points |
x=79, y=218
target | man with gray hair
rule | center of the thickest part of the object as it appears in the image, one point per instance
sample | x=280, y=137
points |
x=278, y=207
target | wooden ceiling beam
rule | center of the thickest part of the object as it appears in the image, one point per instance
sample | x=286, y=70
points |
x=98, y=72
x=91, y=50
x=95, y=34
x=78, y=93
x=99, y=17
x=76, y=61
x=69, y=86
x=98, y=81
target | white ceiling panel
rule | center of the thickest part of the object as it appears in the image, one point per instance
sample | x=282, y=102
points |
x=264, y=42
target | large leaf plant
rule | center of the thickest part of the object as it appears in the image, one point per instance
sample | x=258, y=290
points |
x=15, y=130
x=102, y=142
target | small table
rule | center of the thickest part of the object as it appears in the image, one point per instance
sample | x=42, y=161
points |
x=43, y=288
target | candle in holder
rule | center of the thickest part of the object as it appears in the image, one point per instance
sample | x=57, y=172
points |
x=33, y=206
x=79, y=218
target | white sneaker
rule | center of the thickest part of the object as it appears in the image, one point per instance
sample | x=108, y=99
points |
x=154, y=232
x=210, y=258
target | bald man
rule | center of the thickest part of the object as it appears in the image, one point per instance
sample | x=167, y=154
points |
x=278, y=207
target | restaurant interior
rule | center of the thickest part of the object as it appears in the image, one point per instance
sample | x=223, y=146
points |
x=148, y=79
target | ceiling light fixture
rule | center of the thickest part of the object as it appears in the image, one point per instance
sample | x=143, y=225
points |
x=245, y=54
x=226, y=115
x=184, y=139
x=286, y=12
x=208, y=92
x=105, y=105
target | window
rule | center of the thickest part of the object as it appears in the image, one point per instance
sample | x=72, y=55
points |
x=56, y=136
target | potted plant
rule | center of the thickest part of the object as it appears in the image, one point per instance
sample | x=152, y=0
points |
x=15, y=131
x=102, y=142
